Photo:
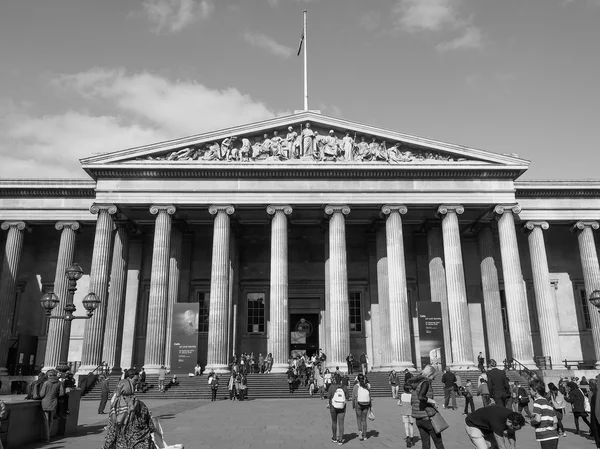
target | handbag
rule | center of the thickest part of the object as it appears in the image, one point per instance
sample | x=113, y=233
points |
x=371, y=415
x=438, y=423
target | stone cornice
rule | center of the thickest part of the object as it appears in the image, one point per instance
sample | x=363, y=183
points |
x=557, y=189
x=47, y=188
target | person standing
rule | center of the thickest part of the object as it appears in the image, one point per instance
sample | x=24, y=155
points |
x=544, y=417
x=468, y=394
x=393, y=381
x=350, y=362
x=407, y=418
x=480, y=362
x=51, y=391
x=363, y=363
x=523, y=397
x=269, y=363
x=493, y=426
x=337, y=398
x=162, y=374
x=104, y=392
x=424, y=406
x=261, y=363
x=141, y=385
x=214, y=387
x=557, y=400
x=231, y=387
x=498, y=385
x=362, y=404
x=484, y=392
x=449, y=381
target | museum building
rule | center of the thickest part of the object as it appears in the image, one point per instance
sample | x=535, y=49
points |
x=298, y=233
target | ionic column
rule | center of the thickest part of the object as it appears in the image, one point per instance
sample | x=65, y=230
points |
x=218, y=319
x=279, y=320
x=437, y=283
x=591, y=274
x=514, y=288
x=491, y=295
x=154, y=356
x=339, y=306
x=115, y=314
x=546, y=305
x=93, y=335
x=8, y=284
x=458, y=308
x=174, y=283
x=383, y=292
x=399, y=313
x=59, y=331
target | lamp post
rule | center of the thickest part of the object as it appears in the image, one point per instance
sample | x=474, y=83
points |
x=594, y=299
x=49, y=301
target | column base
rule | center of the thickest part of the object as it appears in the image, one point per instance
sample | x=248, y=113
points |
x=280, y=368
x=463, y=366
x=217, y=368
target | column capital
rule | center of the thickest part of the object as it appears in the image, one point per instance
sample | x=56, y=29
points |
x=60, y=225
x=447, y=208
x=531, y=225
x=272, y=209
x=20, y=225
x=387, y=209
x=331, y=209
x=97, y=208
x=500, y=209
x=224, y=208
x=581, y=225
x=155, y=209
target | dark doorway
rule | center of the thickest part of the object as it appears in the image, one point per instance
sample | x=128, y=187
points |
x=304, y=333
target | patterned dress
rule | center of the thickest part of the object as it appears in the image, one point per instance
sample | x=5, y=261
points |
x=135, y=433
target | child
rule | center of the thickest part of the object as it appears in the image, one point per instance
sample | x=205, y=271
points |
x=406, y=412
x=544, y=417
x=468, y=394
x=311, y=386
x=484, y=392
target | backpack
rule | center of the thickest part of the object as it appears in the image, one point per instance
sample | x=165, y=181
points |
x=364, y=397
x=339, y=399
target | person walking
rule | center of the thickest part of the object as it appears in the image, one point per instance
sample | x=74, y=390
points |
x=498, y=385
x=544, y=417
x=449, y=381
x=557, y=401
x=363, y=363
x=484, y=392
x=494, y=427
x=104, y=392
x=362, y=405
x=577, y=400
x=468, y=394
x=407, y=418
x=350, y=362
x=162, y=374
x=393, y=381
x=523, y=398
x=51, y=391
x=424, y=406
x=337, y=397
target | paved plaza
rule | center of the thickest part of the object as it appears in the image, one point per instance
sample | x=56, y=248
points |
x=281, y=423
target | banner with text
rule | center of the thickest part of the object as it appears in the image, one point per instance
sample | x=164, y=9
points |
x=184, y=342
x=431, y=334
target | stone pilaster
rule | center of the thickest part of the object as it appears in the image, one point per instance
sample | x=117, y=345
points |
x=93, y=335
x=458, y=309
x=174, y=283
x=218, y=319
x=154, y=356
x=491, y=295
x=59, y=331
x=279, y=335
x=591, y=274
x=383, y=291
x=437, y=283
x=115, y=313
x=399, y=313
x=8, y=284
x=514, y=288
x=339, y=307
x=544, y=298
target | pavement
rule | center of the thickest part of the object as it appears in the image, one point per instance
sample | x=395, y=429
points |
x=283, y=423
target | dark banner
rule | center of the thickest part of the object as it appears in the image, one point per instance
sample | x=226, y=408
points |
x=184, y=350
x=431, y=334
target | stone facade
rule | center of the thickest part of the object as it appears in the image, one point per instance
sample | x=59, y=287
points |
x=352, y=244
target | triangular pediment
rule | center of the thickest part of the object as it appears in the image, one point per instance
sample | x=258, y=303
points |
x=306, y=139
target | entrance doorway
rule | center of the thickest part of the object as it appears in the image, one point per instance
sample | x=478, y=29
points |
x=304, y=334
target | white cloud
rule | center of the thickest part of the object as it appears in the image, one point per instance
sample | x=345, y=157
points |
x=143, y=109
x=175, y=15
x=370, y=21
x=471, y=38
x=269, y=44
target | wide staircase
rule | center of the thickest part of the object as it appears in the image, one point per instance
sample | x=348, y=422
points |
x=273, y=386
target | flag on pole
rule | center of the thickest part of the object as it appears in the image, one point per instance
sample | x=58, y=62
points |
x=301, y=41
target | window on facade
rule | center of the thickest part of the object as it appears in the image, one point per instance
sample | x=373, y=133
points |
x=256, y=312
x=585, y=309
x=203, y=303
x=504, y=312
x=355, y=312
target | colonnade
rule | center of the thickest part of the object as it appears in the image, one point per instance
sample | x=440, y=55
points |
x=110, y=258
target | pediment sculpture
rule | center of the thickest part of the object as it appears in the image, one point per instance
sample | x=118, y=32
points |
x=307, y=145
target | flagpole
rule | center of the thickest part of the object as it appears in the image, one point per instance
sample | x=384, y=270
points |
x=305, y=68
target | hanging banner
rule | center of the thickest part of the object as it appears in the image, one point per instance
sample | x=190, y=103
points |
x=431, y=334
x=184, y=341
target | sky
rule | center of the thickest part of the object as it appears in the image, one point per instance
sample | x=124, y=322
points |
x=83, y=77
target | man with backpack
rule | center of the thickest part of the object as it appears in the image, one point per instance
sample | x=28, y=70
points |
x=337, y=396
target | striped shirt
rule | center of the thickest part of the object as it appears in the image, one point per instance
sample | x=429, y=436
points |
x=545, y=429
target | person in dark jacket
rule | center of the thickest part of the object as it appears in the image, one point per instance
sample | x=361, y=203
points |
x=104, y=391
x=576, y=398
x=449, y=381
x=498, y=385
x=424, y=406
x=595, y=408
x=51, y=391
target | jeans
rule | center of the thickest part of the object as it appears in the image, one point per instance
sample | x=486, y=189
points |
x=469, y=401
x=350, y=368
x=361, y=418
x=395, y=391
x=500, y=399
x=559, y=416
x=479, y=440
x=103, y=401
x=427, y=434
x=48, y=419
x=364, y=368
x=214, y=394
x=583, y=416
x=449, y=393
x=486, y=399
x=337, y=422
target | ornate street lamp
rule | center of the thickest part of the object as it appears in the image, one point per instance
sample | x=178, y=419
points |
x=594, y=299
